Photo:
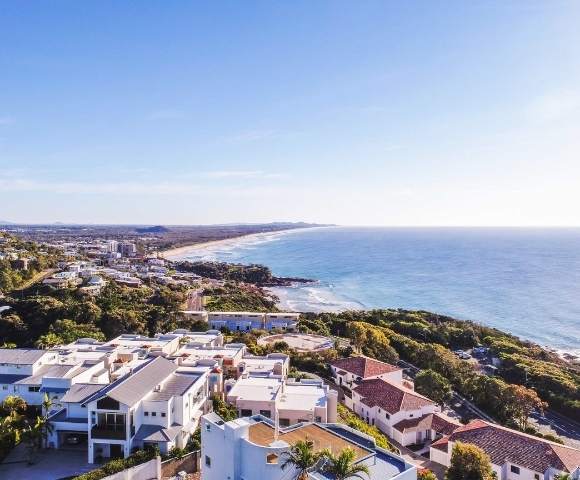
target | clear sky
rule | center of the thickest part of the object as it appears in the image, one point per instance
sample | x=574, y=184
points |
x=360, y=112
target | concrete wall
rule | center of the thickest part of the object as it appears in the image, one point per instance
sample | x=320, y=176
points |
x=150, y=470
x=189, y=464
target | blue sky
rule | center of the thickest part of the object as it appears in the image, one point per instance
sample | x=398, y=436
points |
x=366, y=113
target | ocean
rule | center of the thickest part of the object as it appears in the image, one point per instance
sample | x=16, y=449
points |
x=525, y=281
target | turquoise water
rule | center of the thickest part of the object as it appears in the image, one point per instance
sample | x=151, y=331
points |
x=525, y=281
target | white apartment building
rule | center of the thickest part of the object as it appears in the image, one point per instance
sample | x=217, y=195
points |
x=158, y=403
x=228, y=356
x=161, y=344
x=514, y=455
x=246, y=321
x=210, y=338
x=253, y=448
x=273, y=364
x=288, y=400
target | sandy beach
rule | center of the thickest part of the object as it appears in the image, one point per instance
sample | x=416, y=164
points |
x=179, y=252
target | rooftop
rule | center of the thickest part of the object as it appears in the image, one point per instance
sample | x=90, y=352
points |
x=176, y=384
x=503, y=444
x=262, y=434
x=389, y=396
x=20, y=356
x=364, y=367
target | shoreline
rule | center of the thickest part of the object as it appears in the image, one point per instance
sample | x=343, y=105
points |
x=172, y=253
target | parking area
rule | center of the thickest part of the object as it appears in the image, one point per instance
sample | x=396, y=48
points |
x=48, y=464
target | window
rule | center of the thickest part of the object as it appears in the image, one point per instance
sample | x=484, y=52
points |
x=284, y=422
x=207, y=427
x=515, y=469
x=207, y=461
x=163, y=414
x=153, y=414
x=34, y=389
x=245, y=413
x=146, y=414
x=536, y=476
x=4, y=387
x=319, y=419
x=266, y=413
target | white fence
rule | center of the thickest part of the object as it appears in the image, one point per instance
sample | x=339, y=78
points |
x=150, y=470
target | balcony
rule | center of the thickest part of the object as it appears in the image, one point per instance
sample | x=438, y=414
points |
x=111, y=432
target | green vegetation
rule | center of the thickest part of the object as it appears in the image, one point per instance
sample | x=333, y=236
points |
x=351, y=419
x=301, y=458
x=433, y=385
x=17, y=425
x=53, y=317
x=426, y=340
x=257, y=274
x=425, y=474
x=343, y=467
x=12, y=277
x=120, y=464
x=239, y=297
x=226, y=411
x=469, y=462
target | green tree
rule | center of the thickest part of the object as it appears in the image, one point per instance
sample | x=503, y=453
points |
x=302, y=458
x=519, y=402
x=433, y=385
x=469, y=462
x=343, y=466
x=425, y=474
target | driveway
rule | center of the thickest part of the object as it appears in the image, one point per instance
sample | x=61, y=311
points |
x=49, y=464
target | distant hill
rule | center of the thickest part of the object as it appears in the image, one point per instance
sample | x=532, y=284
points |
x=155, y=229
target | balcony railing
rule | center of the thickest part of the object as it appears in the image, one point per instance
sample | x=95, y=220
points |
x=113, y=432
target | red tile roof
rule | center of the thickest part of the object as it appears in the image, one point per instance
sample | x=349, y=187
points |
x=389, y=396
x=441, y=424
x=364, y=367
x=503, y=444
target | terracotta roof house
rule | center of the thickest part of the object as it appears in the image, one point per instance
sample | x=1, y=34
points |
x=350, y=371
x=401, y=413
x=513, y=454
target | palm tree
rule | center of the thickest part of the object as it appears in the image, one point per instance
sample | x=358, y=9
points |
x=302, y=457
x=342, y=466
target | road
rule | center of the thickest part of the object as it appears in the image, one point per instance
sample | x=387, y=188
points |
x=37, y=278
x=552, y=422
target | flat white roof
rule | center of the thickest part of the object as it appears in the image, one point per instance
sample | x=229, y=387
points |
x=256, y=389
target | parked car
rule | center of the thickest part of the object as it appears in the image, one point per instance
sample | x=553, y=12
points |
x=464, y=356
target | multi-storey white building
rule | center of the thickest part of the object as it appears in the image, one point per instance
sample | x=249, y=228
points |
x=399, y=412
x=210, y=338
x=289, y=401
x=246, y=321
x=253, y=448
x=157, y=404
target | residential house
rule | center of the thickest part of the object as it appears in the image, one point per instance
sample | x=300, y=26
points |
x=246, y=321
x=156, y=404
x=514, y=455
x=349, y=372
x=401, y=413
x=288, y=400
x=254, y=448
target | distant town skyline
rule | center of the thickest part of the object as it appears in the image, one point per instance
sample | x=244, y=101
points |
x=373, y=113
